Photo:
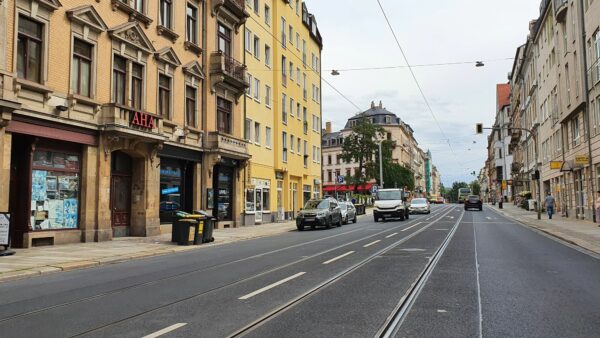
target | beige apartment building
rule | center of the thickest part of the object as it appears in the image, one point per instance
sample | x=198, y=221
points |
x=554, y=94
x=114, y=113
x=406, y=151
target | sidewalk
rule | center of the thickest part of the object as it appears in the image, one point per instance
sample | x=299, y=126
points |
x=48, y=259
x=585, y=234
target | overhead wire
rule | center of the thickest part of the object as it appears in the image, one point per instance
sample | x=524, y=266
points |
x=416, y=80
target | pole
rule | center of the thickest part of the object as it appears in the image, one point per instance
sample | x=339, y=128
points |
x=537, y=169
x=380, y=166
x=586, y=109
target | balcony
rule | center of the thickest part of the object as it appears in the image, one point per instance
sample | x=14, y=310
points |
x=126, y=120
x=228, y=72
x=560, y=9
x=594, y=74
x=235, y=11
x=227, y=145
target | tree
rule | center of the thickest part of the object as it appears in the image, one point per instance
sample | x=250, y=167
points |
x=475, y=187
x=453, y=193
x=360, y=147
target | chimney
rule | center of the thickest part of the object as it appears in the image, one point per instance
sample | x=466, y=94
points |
x=372, y=104
x=380, y=104
x=328, y=127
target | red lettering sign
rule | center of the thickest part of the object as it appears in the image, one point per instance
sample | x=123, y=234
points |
x=143, y=120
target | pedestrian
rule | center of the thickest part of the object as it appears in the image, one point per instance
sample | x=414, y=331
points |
x=549, y=203
x=597, y=206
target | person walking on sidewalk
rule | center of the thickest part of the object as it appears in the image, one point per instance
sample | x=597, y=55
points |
x=597, y=205
x=549, y=203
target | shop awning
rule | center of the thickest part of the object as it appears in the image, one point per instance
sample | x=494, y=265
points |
x=344, y=188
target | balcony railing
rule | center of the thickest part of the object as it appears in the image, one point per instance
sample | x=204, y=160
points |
x=233, y=71
x=594, y=73
x=237, y=8
x=560, y=9
x=234, y=147
x=118, y=116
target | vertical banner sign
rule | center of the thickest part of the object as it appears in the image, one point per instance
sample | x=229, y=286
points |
x=4, y=229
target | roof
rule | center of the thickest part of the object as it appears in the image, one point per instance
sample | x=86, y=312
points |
x=378, y=113
x=502, y=95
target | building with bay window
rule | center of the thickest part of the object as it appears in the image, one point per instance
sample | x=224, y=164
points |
x=282, y=125
x=113, y=114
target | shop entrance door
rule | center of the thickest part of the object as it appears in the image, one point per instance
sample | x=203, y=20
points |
x=294, y=199
x=120, y=194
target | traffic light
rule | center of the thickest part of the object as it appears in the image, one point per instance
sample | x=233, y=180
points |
x=479, y=128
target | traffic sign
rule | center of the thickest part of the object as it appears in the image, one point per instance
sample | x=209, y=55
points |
x=340, y=179
x=374, y=189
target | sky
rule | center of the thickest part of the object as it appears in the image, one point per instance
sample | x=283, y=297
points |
x=355, y=35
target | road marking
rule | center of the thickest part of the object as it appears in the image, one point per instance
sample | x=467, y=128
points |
x=338, y=257
x=442, y=229
x=478, y=284
x=165, y=330
x=488, y=218
x=410, y=227
x=269, y=287
x=392, y=235
x=451, y=217
x=441, y=311
x=412, y=250
x=368, y=245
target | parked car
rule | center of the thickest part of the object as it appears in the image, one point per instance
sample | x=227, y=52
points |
x=419, y=206
x=473, y=202
x=348, y=212
x=319, y=212
x=389, y=203
x=168, y=211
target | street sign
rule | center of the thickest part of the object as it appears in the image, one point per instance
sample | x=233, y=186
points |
x=556, y=164
x=340, y=179
x=581, y=159
x=374, y=189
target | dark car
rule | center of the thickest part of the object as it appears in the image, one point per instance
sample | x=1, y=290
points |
x=473, y=202
x=168, y=211
x=324, y=212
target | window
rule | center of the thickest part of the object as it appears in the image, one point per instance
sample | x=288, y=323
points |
x=284, y=148
x=314, y=153
x=166, y=8
x=268, y=137
x=192, y=24
x=137, y=83
x=224, y=39
x=267, y=15
x=268, y=56
x=298, y=75
x=164, y=96
x=248, y=40
x=283, y=108
x=55, y=187
x=567, y=79
x=298, y=145
x=291, y=143
x=119, y=79
x=29, y=49
x=283, y=70
x=305, y=154
x=256, y=132
x=297, y=41
x=291, y=107
x=256, y=7
x=257, y=89
x=291, y=34
x=268, y=96
x=304, y=91
x=247, y=130
x=291, y=71
x=190, y=105
x=249, y=89
x=575, y=131
x=224, y=115
x=305, y=120
x=257, y=47
x=81, y=68
x=304, y=52
x=298, y=110
x=329, y=173
x=329, y=160
x=283, y=33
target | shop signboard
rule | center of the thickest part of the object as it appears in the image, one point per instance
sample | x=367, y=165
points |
x=143, y=120
x=581, y=159
x=278, y=175
x=556, y=164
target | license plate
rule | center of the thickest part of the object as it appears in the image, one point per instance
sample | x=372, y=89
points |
x=387, y=215
x=309, y=219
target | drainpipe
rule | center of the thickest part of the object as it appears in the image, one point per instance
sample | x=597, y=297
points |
x=586, y=110
x=243, y=134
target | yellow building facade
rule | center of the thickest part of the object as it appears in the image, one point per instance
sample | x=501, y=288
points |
x=116, y=112
x=282, y=52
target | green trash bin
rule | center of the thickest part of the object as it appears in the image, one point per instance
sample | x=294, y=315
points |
x=207, y=225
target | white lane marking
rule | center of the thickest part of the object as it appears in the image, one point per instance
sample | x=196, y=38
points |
x=442, y=229
x=410, y=227
x=441, y=311
x=412, y=250
x=165, y=330
x=478, y=284
x=374, y=242
x=269, y=287
x=392, y=235
x=338, y=257
x=488, y=218
x=451, y=217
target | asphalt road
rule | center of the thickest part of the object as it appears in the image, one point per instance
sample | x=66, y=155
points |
x=420, y=275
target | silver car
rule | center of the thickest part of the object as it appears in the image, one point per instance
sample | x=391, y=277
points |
x=419, y=206
x=348, y=212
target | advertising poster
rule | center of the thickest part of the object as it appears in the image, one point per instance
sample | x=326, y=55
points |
x=56, y=212
x=38, y=185
x=4, y=228
x=70, y=213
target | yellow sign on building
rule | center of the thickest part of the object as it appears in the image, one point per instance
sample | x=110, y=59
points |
x=582, y=159
x=556, y=164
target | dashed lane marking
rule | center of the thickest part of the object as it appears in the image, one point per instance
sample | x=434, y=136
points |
x=338, y=257
x=372, y=243
x=165, y=330
x=269, y=287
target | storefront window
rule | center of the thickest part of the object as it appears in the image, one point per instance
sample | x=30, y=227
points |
x=266, y=206
x=257, y=200
x=55, y=190
x=250, y=200
x=170, y=190
x=225, y=194
x=306, y=193
x=316, y=190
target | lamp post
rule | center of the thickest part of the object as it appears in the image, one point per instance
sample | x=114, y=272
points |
x=380, y=165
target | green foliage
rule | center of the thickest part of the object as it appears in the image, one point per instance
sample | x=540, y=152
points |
x=360, y=147
x=475, y=187
x=452, y=194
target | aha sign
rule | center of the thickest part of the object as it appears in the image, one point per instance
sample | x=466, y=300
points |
x=143, y=120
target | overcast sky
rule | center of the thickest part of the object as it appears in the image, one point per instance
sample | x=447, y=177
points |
x=430, y=31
